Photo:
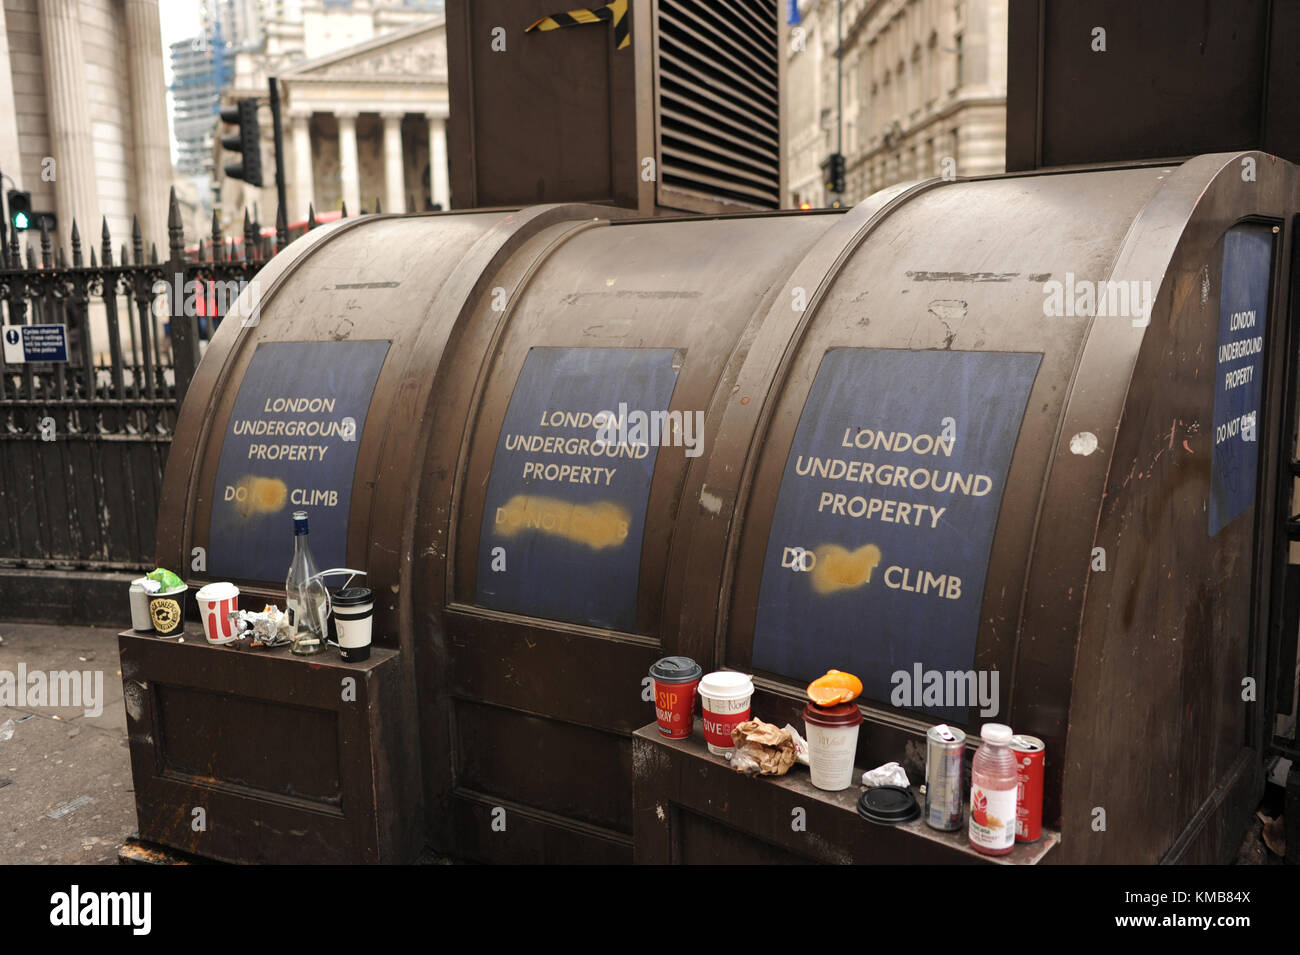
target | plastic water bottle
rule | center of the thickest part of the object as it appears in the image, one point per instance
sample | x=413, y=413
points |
x=993, y=792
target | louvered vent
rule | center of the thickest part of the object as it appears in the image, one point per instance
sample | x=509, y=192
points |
x=718, y=100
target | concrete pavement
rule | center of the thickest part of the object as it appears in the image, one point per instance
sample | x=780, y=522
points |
x=65, y=778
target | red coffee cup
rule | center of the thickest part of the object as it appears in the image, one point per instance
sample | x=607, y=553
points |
x=676, y=680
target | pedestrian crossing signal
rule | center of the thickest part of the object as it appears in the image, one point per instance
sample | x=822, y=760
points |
x=20, y=210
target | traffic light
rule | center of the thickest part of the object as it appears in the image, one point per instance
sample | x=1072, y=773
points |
x=20, y=210
x=247, y=142
x=835, y=173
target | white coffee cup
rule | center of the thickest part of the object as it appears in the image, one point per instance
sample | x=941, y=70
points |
x=724, y=702
x=217, y=601
x=832, y=733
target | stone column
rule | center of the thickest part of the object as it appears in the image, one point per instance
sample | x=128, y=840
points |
x=304, y=185
x=394, y=167
x=71, y=142
x=349, y=167
x=153, y=161
x=438, y=187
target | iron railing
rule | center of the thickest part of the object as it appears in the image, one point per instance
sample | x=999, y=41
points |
x=83, y=443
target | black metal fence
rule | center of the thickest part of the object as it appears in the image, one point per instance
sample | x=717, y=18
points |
x=83, y=442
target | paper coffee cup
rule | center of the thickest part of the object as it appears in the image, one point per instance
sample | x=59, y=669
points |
x=167, y=611
x=676, y=680
x=353, y=610
x=832, y=734
x=216, y=603
x=724, y=700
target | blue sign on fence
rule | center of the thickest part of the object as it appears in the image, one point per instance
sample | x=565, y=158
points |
x=291, y=444
x=1239, y=371
x=884, y=522
x=566, y=505
x=26, y=343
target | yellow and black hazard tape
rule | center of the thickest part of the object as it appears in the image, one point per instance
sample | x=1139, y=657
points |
x=615, y=12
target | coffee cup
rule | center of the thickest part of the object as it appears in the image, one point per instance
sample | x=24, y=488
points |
x=353, y=610
x=217, y=601
x=167, y=611
x=675, y=682
x=832, y=734
x=724, y=702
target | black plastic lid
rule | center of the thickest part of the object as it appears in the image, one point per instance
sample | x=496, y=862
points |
x=351, y=597
x=676, y=670
x=888, y=805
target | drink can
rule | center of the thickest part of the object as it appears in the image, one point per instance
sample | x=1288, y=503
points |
x=1030, y=753
x=944, y=750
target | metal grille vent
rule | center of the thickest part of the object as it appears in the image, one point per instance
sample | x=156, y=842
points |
x=719, y=110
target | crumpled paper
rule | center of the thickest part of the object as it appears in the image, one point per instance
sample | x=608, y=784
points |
x=761, y=749
x=800, y=744
x=890, y=774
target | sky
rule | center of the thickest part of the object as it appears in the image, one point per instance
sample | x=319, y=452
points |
x=180, y=19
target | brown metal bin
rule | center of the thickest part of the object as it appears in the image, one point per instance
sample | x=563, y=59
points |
x=528, y=591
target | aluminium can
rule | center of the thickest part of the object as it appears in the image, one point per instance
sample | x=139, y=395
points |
x=944, y=751
x=1030, y=755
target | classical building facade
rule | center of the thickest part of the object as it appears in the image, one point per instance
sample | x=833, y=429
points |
x=924, y=93
x=363, y=88
x=83, y=119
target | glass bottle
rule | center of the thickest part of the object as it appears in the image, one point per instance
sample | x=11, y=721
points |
x=305, y=595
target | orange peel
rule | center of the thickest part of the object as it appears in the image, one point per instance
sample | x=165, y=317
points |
x=833, y=688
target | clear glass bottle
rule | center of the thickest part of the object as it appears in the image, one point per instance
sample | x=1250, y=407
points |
x=305, y=595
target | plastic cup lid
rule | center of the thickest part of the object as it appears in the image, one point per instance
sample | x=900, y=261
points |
x=888, y=805
x=727, y=685
x=841, y=714
x=352, y=597
x=676, y=670
x=222, y=590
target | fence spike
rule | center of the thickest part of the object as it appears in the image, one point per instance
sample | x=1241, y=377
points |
x=93, y=263
x=217, y=242
x=76, y=245
x=106, y=243
x=410, y=202
x=281, y=230
x=250, y=237
x=137, y=240
x=31, y=258
x=345, y=210
x=14, y=255
x=126, y=254
x=378, y=207
x=59, y=260
x=47, y=256
x=311, y=217
x=201, y=253
x=153, y=253
x=175, y=228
